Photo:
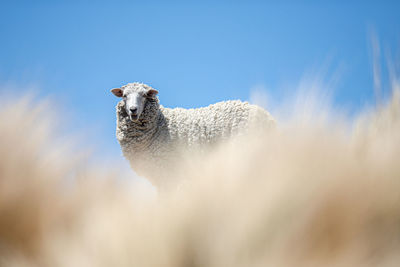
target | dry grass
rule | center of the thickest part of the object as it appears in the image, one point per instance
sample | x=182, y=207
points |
x=311, y=193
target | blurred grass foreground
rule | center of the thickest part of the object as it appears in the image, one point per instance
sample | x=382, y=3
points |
x=311, y=193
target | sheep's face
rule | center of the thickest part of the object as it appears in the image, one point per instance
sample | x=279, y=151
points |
x=135, y=96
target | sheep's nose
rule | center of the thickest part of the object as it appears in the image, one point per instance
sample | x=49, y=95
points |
x=133, y=110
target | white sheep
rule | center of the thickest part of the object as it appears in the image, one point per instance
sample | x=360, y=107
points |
x=152, y=137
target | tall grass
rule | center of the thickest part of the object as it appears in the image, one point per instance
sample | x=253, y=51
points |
x=311, y=193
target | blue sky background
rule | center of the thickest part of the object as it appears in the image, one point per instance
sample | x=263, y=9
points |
x=194, y=53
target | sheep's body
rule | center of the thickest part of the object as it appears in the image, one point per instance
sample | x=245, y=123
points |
x=155, y=143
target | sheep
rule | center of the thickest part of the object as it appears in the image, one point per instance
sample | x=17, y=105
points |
x=152, y=137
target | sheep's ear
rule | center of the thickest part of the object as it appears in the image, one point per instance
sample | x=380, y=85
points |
x=117, y=92
x=151, y=93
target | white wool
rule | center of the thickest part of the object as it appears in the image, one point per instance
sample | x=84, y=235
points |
x=156, y=144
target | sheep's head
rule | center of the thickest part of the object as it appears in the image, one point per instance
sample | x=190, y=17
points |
x=135, y=96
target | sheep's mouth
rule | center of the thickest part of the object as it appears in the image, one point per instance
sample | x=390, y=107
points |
x=134, y=117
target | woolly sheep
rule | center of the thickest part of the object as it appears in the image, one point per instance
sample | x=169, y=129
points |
x=152, y=137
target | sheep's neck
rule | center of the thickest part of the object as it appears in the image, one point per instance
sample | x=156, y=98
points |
x=140, y=134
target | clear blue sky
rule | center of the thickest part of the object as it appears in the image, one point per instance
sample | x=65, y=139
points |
x=194, y=53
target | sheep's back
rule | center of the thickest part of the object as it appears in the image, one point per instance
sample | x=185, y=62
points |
x=208, y=124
